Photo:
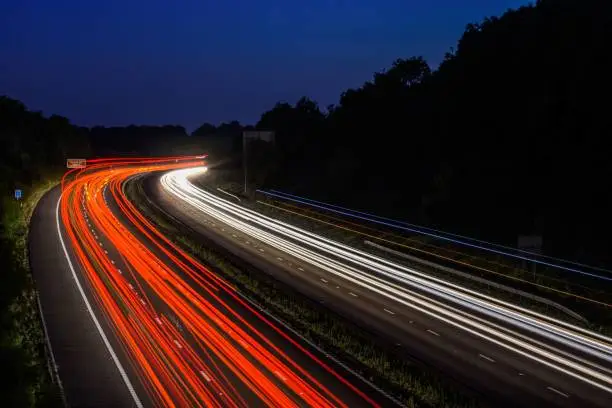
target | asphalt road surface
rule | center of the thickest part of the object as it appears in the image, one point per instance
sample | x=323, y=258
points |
x=527, y=374
x=134, y=321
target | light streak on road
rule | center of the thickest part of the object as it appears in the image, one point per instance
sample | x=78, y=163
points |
x=561, y=346
x=445, y=236
x=189, y=336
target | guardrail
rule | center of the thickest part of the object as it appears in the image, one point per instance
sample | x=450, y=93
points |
x=53, y=370
x=229, y=194
x=478, y=279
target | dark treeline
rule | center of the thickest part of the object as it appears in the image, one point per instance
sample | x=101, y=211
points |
x=505, y=137
x=508, y=136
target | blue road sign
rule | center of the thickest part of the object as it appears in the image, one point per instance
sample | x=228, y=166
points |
x=18, y=194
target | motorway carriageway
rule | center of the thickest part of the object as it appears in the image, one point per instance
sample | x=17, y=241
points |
x=177, y=333
x=525, y=356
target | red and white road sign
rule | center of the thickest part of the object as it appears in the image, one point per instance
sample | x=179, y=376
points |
x=76, y=163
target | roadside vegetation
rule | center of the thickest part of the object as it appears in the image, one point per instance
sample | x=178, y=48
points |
x=27, y=380
x=32, y=159
x=413, y=384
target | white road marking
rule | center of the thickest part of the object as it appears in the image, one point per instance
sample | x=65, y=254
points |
x=433, y=332
x=352, y=294
x=389, y=311
x=234, y=235
x=300, y=269
x=558, y=392
x=261, y=249
x=280, y=259
x=486, y=358
x=207, y=378
x=323, y=280
x=521, y=374
x=122, y=372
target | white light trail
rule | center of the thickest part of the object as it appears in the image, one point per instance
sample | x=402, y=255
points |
x=580, y=353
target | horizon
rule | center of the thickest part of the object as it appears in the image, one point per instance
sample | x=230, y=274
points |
x=97, y=77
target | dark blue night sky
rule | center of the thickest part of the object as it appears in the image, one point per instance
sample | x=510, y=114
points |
x=188, y=61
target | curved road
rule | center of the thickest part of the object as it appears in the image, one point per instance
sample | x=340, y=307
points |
x=134, y=321
x=511, y=355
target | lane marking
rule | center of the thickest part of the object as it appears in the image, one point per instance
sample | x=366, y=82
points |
x=282, y=377
x=558, y=392
x=486, y=358
x=280, y=259
x=323, y=280
x=122, y=372
x=352, y=294
x=300, y=269
x=261, y=250
x=389, y=311
x=433, y=332
x=207, y=378
x=521, y=374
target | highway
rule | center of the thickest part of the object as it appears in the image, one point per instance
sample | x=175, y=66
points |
x=512, y=355
x=135, y=321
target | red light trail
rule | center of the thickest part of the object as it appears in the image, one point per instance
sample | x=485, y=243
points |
x=222, y=352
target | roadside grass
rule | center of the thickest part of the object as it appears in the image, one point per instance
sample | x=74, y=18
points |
x=412, y=384
x=27, y=379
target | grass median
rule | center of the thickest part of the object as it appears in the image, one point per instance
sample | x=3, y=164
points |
x=413, y=384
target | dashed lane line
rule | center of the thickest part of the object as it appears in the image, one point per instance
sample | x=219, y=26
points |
x=486, y=358
x=556, y=391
